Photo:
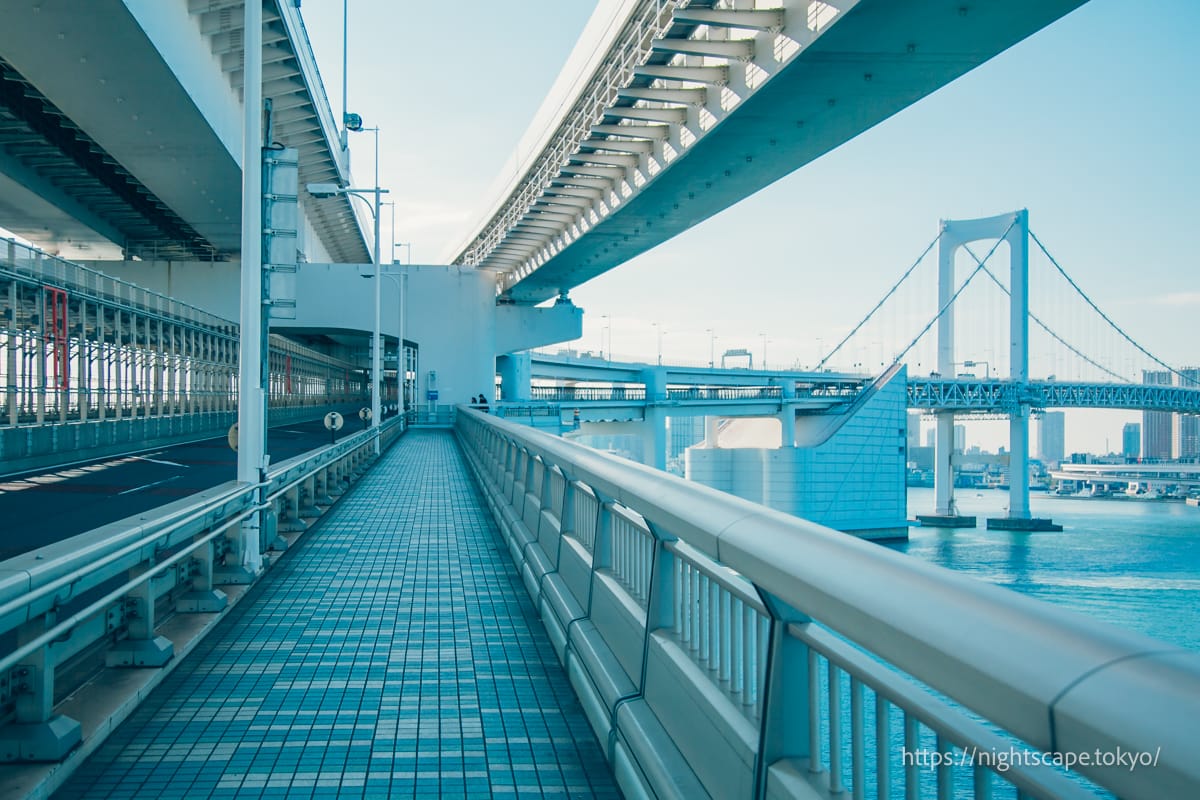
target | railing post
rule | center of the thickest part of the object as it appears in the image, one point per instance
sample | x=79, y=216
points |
x=334, y=487
x=321, y=488
x=203, y=597
x=566, y=516
x=660, y=605
x=289, y=519
x=36, y=733
x=602, y=544
x=784, y=729
x=308, y=498
x=142, y=648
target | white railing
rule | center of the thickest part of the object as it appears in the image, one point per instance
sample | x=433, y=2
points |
x=104, y=593
x=722, y=648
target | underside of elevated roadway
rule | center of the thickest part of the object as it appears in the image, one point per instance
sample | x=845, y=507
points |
x=121, y=127
x=879, y=58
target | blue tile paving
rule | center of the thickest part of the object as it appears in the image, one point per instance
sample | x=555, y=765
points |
x=393, y=653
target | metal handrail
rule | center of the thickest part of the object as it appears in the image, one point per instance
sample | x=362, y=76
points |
x=67, y=625
x=1021, y=663
x=31, y=596
x=280, y=479
x=939, y=715
x=41, y=273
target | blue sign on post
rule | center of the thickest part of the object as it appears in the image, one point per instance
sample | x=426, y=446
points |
x=431, y=395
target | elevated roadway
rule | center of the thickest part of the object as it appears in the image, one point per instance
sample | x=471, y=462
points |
x=688, y=109
x=966, y=395
x=120, y=127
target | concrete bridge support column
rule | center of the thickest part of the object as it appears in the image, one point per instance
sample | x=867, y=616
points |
x=655, y=381
x=712, y=425
x=654, y=425
x=943, y=471
x=1018, y=464
x=654, y=438
x=516, y=376
x=787, y=415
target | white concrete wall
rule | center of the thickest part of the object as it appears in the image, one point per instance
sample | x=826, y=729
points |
x=451, y=316
x=451, y=312
x=852, y=481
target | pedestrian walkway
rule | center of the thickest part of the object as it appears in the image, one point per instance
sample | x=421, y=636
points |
x=393, y=653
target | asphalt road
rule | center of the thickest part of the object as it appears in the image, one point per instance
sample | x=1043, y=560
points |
x=37, y=509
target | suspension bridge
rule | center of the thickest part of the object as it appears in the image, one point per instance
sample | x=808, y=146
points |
x=1130, y=376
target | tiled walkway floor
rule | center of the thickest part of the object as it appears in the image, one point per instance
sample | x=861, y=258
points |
x=392, y=654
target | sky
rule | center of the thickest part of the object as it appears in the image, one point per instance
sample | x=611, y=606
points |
x=1090, y=124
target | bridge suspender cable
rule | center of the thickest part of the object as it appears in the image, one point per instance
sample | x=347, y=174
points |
x=953, y=297
x=871, y=313
x=1105, y=317
x=1046, y=327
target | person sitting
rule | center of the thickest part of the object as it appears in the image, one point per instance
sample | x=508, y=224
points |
x=474, y=401
x=483, y=403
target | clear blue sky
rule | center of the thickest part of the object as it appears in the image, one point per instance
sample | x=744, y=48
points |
x=1091, y=124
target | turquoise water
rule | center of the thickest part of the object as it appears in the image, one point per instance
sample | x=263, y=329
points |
x=1133, y=563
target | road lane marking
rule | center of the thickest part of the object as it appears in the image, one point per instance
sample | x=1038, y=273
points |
x=159, y=461
x=148, y=485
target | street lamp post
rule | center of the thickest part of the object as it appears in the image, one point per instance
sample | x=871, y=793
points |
x=252, y=401
x=712, y=347
x=659, y=328
x=329, y=190
x=764, y=358
x=606, y=326
x=401, y=278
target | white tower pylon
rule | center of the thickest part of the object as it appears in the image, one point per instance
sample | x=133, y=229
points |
x=1014, y=229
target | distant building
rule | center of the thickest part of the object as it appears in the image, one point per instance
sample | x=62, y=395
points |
x=960, y=438
x=1051, y=437
x=931, y=438
x=1131, y=440
x=683, y=432
x=1157, y=425
x=921, y=458
x=1186, y=429
x=914, y=431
